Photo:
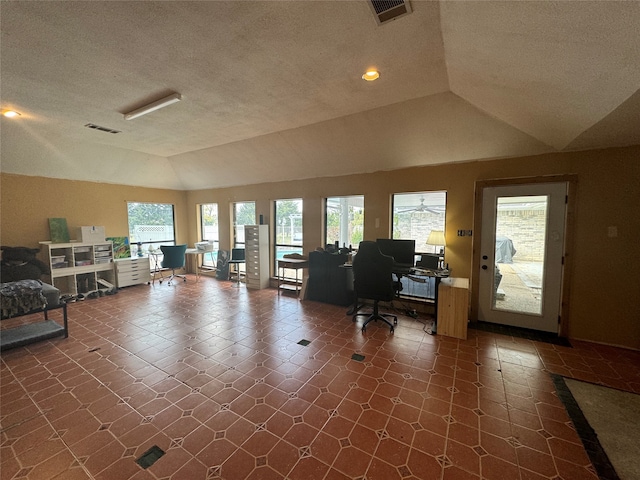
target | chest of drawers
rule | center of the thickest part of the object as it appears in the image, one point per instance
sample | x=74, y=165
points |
x=132, y=271
x=257, y=256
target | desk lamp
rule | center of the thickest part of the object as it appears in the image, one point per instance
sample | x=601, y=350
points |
x=436, y=237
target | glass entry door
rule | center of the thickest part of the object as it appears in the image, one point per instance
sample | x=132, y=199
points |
x=522, y=247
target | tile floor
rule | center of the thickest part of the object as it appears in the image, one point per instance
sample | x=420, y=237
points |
x=214, y=375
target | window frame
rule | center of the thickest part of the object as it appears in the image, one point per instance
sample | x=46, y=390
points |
x=421, y=248
x=235, y=226
x=342, y=241
x=295, y=246
x=151, y=244
x=211, y=262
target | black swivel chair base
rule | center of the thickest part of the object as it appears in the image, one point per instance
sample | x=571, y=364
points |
x=376, y=315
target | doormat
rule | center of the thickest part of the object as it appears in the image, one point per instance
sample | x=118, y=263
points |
x=588, y=435
x=535, y=335
x=150, y=457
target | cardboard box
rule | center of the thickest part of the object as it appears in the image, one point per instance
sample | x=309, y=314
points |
x=91, y=234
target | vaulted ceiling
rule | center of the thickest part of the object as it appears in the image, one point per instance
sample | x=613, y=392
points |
x=272, y=90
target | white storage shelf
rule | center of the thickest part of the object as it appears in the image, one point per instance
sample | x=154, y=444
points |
x=77, y=268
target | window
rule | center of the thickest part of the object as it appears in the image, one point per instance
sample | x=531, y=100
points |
x=150, y=225
x=288, y=230
x=415, y=216
x=344, y=220
x=244, y=213
x=209, y=229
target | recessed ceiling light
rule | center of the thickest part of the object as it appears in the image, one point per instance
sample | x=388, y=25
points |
x=371, y=75
x=10, y=113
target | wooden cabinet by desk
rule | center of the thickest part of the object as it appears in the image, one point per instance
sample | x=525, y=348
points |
x=453, y=307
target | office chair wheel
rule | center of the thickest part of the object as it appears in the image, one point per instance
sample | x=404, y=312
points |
x=184, y=279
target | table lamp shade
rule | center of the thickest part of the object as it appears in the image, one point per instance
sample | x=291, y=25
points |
x=436, y=237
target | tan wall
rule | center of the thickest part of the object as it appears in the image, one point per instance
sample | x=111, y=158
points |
x=605, y=276
x=28, y=203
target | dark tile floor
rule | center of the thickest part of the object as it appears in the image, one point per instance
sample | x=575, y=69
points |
x=216, y=376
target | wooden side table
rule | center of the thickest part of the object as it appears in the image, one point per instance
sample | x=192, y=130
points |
x=453, y=307
x=294, y=264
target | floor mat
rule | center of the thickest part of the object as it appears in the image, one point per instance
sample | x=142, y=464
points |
x=608, y=422
x=535, y=335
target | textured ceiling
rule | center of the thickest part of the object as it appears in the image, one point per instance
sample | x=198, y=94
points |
x=272, y=89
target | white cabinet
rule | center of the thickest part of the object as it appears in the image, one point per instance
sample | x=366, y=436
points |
x=256, y=239
x=132, y=271
x=79, y=268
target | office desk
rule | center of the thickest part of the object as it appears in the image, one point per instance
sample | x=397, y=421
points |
x=294, y=264
x=418, y=274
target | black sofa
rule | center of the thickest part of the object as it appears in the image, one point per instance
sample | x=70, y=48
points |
x=329, y=281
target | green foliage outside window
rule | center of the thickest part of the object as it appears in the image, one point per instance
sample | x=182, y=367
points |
x=245, y=213
x=150, y=214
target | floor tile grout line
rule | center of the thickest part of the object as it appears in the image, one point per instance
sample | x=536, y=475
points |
x=506, y=403
x=566, y=362
x=43, y=413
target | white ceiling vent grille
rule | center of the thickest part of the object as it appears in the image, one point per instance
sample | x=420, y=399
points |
x=387, y=10
x=102, y=129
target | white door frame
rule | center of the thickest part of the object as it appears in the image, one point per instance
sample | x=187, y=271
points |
x=571, y=180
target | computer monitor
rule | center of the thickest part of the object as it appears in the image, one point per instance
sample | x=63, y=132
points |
x=402, y=251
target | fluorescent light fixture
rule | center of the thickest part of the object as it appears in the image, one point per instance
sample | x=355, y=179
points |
x=152, y=107
x=371, y=75
x=10, y=113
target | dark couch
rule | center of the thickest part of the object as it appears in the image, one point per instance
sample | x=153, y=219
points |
x=329, y=282
x=20, y=263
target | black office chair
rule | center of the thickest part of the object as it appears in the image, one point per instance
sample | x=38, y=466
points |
x=373, y=280
x=173, y=257
x=237, y=257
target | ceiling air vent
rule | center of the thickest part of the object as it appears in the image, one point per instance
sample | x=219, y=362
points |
x=387, y=10
x=102, y=129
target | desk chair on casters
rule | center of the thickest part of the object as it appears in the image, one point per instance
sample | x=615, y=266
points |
x=373, y=280
x=173, y=257
x=237, y=257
